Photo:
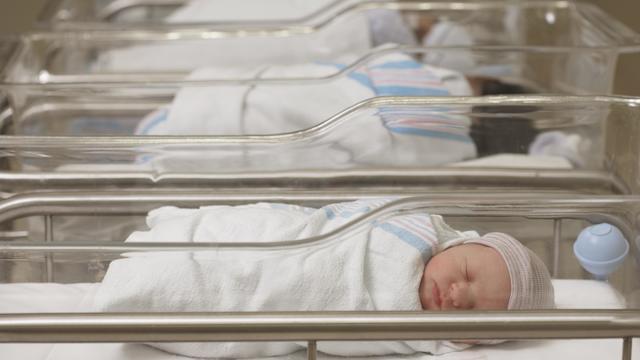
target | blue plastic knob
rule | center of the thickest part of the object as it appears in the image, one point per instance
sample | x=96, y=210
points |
x=601, y=249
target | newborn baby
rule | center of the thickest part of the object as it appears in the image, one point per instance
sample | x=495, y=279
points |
x=396, y=136
x=491, y=272
x=394, y=261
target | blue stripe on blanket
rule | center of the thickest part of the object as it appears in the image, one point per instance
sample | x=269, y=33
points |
x=411, y=239
x=430, y=133
x=160, y=117
x=409, y=91
x=363, y=79
x=400, y=64
x=331, y=213
x=393, y=90
x=440, y=111
x=359, y=77
x=302, y=209
x=347, y=210
x=144, y=159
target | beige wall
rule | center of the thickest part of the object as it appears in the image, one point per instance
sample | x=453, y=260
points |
x=628, y=75
x=20, y=14
x=17, y=15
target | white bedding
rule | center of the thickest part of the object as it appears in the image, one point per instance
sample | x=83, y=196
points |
x=21, y=298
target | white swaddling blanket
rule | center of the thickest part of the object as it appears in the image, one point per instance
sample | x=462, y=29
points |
x=245, y=10
x=328, y=42
x=350, y=33
x=377, y=267
x=410, y=136
x=271, y=109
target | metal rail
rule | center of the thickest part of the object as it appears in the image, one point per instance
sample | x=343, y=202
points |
x=319, y=326
x=48, y=238
x=547, y=206
x=322, y=326
x=399, y=181
x=557, y=240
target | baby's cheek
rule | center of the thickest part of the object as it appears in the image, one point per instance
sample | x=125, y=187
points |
x=489, y=297
x=423, y=301
x=500, y=299
x=506, y=296
x=422, y=294
x=505, y=293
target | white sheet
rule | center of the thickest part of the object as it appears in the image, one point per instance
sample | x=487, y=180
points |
x=590, y=294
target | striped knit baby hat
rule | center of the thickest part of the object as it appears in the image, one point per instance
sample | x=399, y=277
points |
x=531, y=286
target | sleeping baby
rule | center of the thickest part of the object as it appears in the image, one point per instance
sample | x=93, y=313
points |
x=383, y=260
x=397, y=136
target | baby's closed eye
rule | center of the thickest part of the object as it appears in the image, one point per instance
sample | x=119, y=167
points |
x=466, y=273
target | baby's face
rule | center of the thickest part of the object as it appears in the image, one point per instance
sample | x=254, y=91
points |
x=466, y=277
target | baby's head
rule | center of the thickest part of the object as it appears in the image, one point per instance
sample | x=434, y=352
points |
x=494, y=271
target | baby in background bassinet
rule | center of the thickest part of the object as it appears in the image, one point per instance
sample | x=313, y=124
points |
x=404, y=262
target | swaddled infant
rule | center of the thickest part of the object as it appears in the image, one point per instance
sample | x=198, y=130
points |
x=403, y=261
x=490, y=272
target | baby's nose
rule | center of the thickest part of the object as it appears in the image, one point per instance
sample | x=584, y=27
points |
x=460, y=296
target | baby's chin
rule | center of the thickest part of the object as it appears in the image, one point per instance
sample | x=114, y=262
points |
x=427, y=308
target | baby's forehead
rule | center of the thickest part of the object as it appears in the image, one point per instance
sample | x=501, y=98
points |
x=479, y=252
x=473, y=247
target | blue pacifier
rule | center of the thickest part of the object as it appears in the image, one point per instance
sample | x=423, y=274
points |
x=601, y=249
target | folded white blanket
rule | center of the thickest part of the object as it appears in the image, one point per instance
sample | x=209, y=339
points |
x=376, y=266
